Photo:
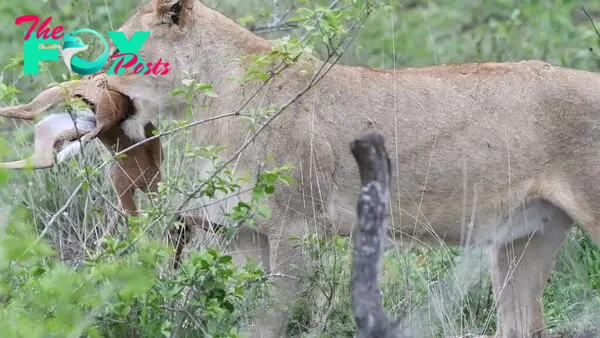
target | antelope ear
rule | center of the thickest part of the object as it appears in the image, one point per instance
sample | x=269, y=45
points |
x=172, y=12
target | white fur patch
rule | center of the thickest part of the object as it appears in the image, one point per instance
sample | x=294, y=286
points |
x=70, y=150
x=133, y=129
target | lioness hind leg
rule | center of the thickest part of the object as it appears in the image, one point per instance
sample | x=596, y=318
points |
x=521, y=268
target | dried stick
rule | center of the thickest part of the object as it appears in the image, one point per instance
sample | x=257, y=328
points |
x=375, y=170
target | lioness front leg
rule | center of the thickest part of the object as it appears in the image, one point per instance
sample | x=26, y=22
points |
x=521, y=268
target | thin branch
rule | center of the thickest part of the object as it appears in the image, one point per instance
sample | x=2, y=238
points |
x=591, y=20
x=281, y=275
x=269, y=28
x=277, y=21
x=332, y=6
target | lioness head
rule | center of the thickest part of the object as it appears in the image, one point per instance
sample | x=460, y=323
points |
x=187, y=40
x=171, y=23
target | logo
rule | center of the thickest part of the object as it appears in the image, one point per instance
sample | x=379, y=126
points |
x=128, y=56
x=73, y=45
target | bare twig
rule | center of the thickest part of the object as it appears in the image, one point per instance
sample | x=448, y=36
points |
x=591, y=20
x=277, y=21
x=269, y=28
x=593, y=26
x=281, y=275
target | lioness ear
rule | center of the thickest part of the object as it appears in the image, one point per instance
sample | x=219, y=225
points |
x=172, y=11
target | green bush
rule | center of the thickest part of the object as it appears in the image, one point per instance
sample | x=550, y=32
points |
x=120, y=292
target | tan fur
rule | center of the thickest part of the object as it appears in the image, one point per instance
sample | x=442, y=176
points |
x=140, y=169
x=473, y=146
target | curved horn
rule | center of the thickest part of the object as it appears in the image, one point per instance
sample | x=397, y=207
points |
x=89, y=89
x=40, y=103
x=48, y=132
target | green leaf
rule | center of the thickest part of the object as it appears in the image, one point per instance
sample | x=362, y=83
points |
x=264, y=211
x=165, y=328
x=286, y=179
x=121, y=157
x=178, y=91
x=187, y=82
